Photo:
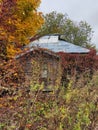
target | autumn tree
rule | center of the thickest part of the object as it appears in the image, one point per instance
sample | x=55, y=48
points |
x=19, y=20
x=76, y=33
x=54, y=23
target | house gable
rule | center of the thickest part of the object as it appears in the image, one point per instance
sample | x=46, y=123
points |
x=40, y=66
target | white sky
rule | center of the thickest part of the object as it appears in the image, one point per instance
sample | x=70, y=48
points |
x=77, y=10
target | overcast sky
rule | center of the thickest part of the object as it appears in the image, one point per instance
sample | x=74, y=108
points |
x=77, y=10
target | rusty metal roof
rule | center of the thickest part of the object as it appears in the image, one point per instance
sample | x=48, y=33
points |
x=53, y=43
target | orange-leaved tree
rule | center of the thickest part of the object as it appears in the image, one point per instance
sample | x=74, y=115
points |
x=19, y=20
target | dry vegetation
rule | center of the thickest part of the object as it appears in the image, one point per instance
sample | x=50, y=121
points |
x=71, y=108
x=25, y=106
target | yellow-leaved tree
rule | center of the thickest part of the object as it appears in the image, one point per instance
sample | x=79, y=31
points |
x=19, y=21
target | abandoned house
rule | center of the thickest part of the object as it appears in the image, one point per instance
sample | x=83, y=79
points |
x=42, y=64
x=47, y=61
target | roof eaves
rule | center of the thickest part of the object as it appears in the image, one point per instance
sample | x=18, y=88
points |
x=37, y=49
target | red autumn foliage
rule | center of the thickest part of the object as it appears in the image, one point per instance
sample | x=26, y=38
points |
x=7, y=12
x=80, y=61
x=22, y=106
x=13, y=77
x=11, y=71
x=73, y=65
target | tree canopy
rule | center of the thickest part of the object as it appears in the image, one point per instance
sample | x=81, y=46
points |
x=76, y=33
x=19, y=20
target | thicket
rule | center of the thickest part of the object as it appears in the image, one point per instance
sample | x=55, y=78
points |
x=73, y=65
x=11, y=72
x=73, y=106
x=62, y=109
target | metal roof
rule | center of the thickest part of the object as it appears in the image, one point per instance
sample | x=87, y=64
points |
x=53, y=43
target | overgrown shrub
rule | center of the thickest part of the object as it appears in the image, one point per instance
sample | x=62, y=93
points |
x=70, y=108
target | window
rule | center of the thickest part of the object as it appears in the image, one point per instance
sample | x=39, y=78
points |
x=44, y=73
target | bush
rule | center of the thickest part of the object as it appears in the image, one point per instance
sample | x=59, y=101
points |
x=71, y=108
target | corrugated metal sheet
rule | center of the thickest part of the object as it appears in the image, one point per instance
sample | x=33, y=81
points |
x=52, y=43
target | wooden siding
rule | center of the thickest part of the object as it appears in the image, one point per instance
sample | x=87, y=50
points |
x=41, y=67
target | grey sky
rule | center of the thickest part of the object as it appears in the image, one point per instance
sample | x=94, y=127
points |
x=77, y=10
